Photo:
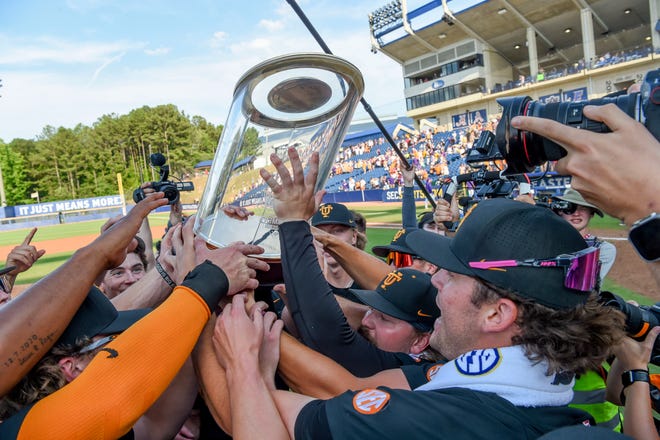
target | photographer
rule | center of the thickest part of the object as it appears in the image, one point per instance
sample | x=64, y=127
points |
x=633, y=356
x=616, y=171
x=579, y=213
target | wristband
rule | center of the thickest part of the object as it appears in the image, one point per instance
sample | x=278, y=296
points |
x=164, y=274
x=631, y=376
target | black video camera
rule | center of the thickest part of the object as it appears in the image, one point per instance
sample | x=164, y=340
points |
x=170, y=188
x=524, y=151
x=639, y=319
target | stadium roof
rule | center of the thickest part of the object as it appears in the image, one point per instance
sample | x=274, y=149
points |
x=240, y=163
x=372, y=131
x=502, y=24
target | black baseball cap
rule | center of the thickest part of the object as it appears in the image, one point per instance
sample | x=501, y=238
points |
x=397, y=244
x=425, y=218
x=97, y=316
x=405, y=294
x=504, y=229
x=333, y=214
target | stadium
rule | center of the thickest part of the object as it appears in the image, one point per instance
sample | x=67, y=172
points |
x=454, y=69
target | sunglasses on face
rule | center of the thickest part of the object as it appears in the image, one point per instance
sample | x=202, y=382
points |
x=399, y=259
x=581, y=269
x=564, y=207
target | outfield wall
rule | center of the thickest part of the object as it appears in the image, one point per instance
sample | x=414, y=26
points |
x=94, y=208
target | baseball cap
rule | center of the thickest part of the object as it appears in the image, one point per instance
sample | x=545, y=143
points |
x=397, y=244
x=405, y=294
x=504, y=229
x=425, y=218
x=573, y=196
x=333, y=214
x=97, y=316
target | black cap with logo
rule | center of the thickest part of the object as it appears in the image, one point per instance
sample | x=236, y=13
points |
x=503, y=229
x=398, y=244
x=333, y=214
x=405, y=294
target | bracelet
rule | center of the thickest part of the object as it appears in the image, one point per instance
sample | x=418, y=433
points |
x=164, y=274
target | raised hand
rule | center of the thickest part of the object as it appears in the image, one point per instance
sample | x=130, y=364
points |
x=117, y=235
x=237, y=337
x=24, y=255
x=294, y=197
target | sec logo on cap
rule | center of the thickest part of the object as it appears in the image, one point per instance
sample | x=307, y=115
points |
x=370, y=401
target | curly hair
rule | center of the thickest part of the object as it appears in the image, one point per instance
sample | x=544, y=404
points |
x=576, y=339
x=43, y=380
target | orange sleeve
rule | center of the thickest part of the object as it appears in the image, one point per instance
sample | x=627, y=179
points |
x=113, y=392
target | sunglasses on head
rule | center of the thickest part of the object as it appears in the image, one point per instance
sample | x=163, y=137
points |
x=581, y=269
x=399, y=259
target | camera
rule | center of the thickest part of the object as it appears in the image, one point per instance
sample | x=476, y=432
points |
x=639, y=319
x=524, y=151
x=170, y=188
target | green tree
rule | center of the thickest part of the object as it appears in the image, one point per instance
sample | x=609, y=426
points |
x=251, y=145
x=13, y=176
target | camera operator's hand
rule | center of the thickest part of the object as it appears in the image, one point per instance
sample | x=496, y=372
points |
x=637, y=415
x=294, y=197
x=525, y=198
x=615, y=171
x=445, y=212
x=235, y=262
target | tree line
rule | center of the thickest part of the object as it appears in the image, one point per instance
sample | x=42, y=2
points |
x=70, y=163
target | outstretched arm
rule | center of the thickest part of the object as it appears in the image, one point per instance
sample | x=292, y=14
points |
x=309, y=372
x=31, y=323
x=366, y=269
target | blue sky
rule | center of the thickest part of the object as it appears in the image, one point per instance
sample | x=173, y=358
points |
x=68, y=62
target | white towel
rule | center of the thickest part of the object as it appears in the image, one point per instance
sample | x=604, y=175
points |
x=507, y=372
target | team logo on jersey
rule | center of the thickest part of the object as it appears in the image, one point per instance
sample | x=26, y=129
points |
x=477, y=362
x=325, y=210
x=370, y=401
x=433, y=371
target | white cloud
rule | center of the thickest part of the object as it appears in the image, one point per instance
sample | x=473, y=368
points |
x=271, y=25
x=98, y=71
x=54, y=50
x=218, y=39
x=158, y=51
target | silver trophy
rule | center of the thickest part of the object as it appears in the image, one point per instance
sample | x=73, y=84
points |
x=303, y=100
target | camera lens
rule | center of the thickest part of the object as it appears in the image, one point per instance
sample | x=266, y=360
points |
x=171, y=193
x=524, y=151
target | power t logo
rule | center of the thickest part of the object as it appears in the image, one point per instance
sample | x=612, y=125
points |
x=325, y=210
